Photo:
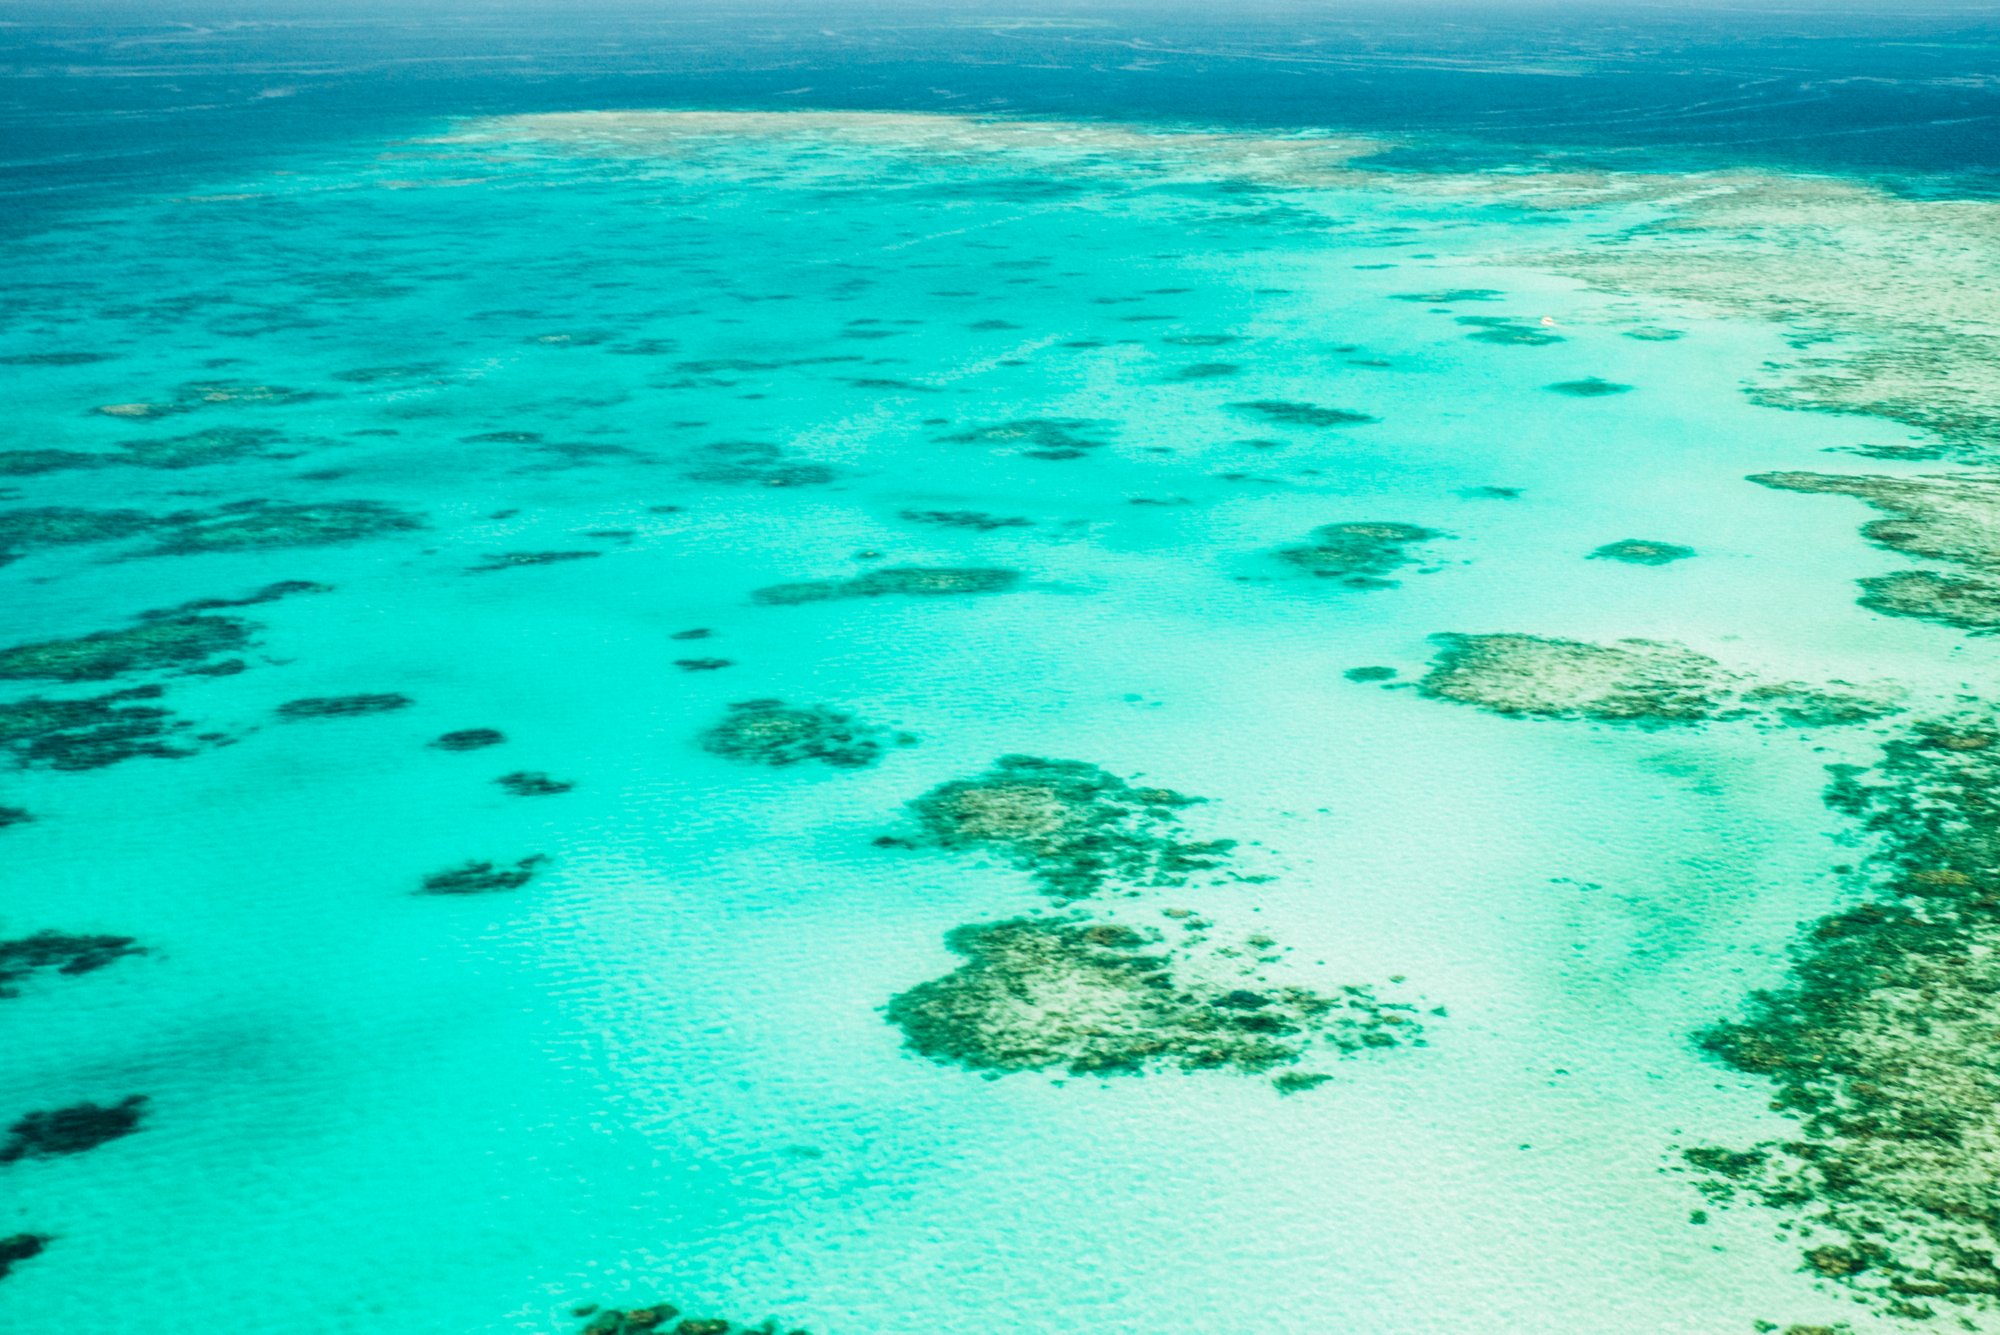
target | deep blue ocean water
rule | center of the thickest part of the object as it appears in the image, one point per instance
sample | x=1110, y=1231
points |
x=109, y=95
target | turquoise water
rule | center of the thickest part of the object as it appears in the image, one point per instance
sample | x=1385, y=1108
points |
x=659, y=1069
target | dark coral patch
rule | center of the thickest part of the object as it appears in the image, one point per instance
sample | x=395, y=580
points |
x=344, y=706
x=481, y=877
x=18, y=1247
x=178, y=642
x=1287, y=413
x=771, y=732
x=516, y=560
x=469, y=739
x=73, y=1130
x=1642, y=552
x=533, y=783
x=60, y=526
x=1509, y=331
x=909, y=581
x=1359, y=554
x=976, y=520
x=1052, y=438
x=755, y=463
x=66, y=953
x=1074, y=827
x=93, y=732
x=1879, y=1041
x=1590, y=387
x=264, y=525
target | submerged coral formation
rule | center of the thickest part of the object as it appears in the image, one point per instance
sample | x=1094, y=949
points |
x=18, y=1247
x=1284, y=412
x=344, y=706
x=533, y=783
x=1642, y=552
x=63, y=525
x=1074, y=827
x=1360, y=554
x=72, y=1130
x=1053, y=438
x=771, y=732
x=65, y=953
x=754, y=463
x=1953, y=517
x=1096, y=997
x=1590, y=387
x=258, y=525
x=92, y=732
x=481, y=877
x=655, y=1318
x=1880, y=1042
x=469, y=739
x=1642, y=682
x=911, y=581
x=164, y=643
x=977, y=520
x=516, y=560
x=1509, y=331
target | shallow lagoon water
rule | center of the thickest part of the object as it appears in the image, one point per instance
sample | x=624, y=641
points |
x=660, y=1069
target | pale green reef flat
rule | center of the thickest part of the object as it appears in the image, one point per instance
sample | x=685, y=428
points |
x=958, y=440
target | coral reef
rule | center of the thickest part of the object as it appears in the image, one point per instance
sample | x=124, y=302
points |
x=65, y=953
x=1283, y=412
x=469, y=739
x=343, y=706
x=977, y=520
x=515, y=560
x=480, y=877
x=754, y=463
x=1641, y=682
x=1359, y=553
x=1053, y=438
x=92, y=732
x=175, y=642
x=1100, y=998
x=654, y=1318
x=18, y=1247
x=533, y=783
x=1952, y=517
x=14, y=816
x=1509, y=331
x=1642, y=552
x=770, y=732
x=1880, y=1041
x=1073, y=827
x=73, y=1130
x=911, y=581
x=259, y=525
x=1591, y=387
x=270, y=593
x=60, y=526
